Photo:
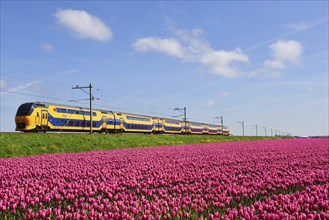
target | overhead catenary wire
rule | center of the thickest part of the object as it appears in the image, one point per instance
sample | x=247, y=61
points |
x=38, y=96
x=133, y=105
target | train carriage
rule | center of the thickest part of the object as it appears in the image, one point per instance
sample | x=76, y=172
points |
x=173, y=126
x=73, y=118
x=137, y=123
x=195, y=128
x=213, y=129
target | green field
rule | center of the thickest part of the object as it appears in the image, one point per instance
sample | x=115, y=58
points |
x=20, y=144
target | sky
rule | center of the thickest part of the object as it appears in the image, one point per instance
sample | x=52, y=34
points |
x=263, y=63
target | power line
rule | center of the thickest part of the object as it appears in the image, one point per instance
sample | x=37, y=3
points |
x=38, y=96
x=129, y=103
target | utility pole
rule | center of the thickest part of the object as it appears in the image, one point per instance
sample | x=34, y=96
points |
x=184, y=111
x=256, y=129
x=91, y=98
x=221, y=122
x=185, y=119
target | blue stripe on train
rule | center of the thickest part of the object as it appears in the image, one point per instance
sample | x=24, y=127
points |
x=112, y=121
x=169, y=128
x=64, y=122
x=196, y=130
x=138, y=126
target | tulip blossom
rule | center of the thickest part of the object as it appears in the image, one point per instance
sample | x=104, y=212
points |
x=277, y=179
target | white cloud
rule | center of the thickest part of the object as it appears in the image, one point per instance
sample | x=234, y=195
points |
x=47, y=47
x=220, y=62
x=83, y=25
x=299, y=26
x=309, y=89
x=210, y=103
x=190, y=47
x=225, y=94
x=277, y=64
x=35, y=85
x=264, y=73
x=168, y=46
x=296, y=27
x=2, y=84
x=284, y=52
x=305, y=25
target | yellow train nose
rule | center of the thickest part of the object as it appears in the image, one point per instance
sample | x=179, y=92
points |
x=22, y=122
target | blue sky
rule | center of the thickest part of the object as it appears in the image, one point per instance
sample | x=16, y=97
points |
x=263, y=63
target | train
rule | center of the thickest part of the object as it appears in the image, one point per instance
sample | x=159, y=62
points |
x=42, y=117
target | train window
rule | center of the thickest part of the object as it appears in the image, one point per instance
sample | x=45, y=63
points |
x=25, y=109
x=172, y=122
x=137, y=118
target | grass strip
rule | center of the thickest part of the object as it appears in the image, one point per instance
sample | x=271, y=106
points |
x=28, y=144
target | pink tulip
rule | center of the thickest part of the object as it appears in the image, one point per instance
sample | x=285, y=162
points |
x=281, y=179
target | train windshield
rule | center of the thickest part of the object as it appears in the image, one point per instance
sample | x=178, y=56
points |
x=25, y=109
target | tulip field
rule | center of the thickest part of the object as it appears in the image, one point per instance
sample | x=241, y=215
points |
x=269, y=179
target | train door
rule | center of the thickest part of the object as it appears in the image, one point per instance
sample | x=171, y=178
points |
x=37, y=119
x=157, y=125
x=121, y=124
x=104, y=123
x=44, y=118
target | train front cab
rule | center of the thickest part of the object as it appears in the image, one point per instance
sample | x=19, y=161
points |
x=28, y=117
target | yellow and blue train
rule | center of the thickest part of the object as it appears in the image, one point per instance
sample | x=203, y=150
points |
x=43, y=117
